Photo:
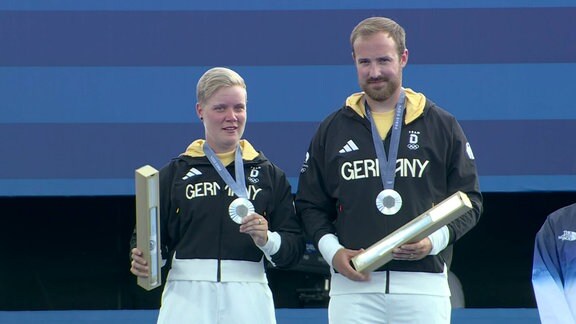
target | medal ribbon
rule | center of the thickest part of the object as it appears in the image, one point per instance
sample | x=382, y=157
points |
x=388, y=165
x=238, y=186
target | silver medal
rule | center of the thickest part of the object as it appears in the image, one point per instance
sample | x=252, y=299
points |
x=240, y=208
x=388, y=202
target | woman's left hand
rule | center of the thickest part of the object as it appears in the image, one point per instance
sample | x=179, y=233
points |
x=256, y=226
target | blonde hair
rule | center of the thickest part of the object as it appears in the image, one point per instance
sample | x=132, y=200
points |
x=214, y=79
x=374, y=25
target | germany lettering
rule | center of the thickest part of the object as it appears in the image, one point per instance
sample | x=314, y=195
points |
x=208, y=189
x=369, y=168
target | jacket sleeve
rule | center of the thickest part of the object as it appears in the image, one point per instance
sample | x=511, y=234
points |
x=283, y=221
x=547, y=279
x=463, y=176
x=166, y=208
x=314, y=204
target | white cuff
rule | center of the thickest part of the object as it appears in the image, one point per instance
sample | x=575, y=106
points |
x=439, y=240
x=272, y=246
x=328, y=246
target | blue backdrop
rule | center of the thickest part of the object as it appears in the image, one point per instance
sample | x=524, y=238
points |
x=92, y=90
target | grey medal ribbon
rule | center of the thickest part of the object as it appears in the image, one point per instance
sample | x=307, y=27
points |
x=240, y=207
x=388, y=201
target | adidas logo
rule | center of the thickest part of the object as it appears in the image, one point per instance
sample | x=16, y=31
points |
x=349, y=147
x=191, y=173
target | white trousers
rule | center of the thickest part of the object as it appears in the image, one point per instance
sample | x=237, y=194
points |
x=203, y=302
x=378, y=308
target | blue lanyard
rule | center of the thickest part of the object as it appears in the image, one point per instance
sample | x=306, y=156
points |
x=388, y=165
x=238, y=186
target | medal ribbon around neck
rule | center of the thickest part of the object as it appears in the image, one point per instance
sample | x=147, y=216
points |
x=241, y=206
x=387, y=165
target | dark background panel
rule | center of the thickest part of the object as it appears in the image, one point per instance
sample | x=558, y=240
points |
x=64, y=253
x=494, y=260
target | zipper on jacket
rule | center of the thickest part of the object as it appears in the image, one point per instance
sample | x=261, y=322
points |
x=219, y=271
x=387, y=282
x=219, y=258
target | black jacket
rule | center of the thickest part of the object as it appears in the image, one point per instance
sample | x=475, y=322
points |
x=338, y=185
x=194, y=201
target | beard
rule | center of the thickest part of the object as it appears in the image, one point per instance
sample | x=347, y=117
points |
x=380, y=93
